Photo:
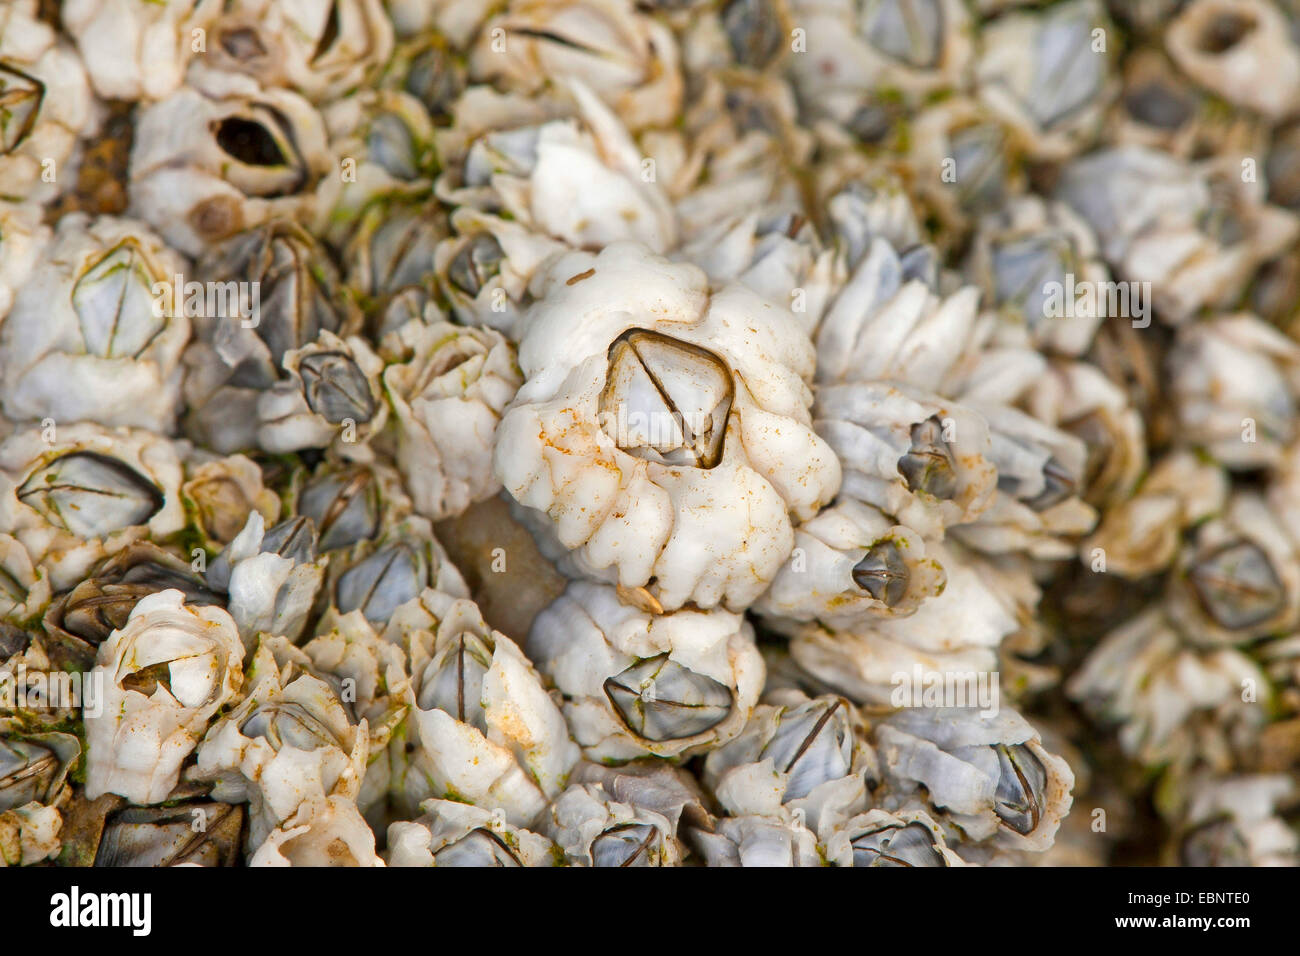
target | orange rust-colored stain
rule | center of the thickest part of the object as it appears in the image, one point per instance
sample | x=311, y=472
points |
x=574, y=280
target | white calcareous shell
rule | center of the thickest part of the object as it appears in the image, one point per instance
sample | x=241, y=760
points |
x=688, y=490
x=222, y=154
x=638, y=683
x=448, y=394
x=134, y=50
x=482, y=728
x=48, y=105
x=93, y=335
x=991, y=777
x=76, y=493
x=164, y=676
x=457, y=834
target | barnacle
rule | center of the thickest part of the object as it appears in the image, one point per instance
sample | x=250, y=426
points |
x=632, y=433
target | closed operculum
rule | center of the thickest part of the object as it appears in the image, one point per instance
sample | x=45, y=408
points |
x=453, y=680
x=344, y=507
x=21, y=96
x=665, y=400
x=896, y=845
x=28, y=770
x=383, y=582
x=1021, y=789
x=813, y=743
x=294, y=538
x=929, y=466
x=476, y=263
x=259, y=141
x=1057, y=484
x=91, y=495
x=114, y=302
x=754, y=30
x=100, y=605
x=1025, y=267
x=296, y=282
x=910, y=31
x=172, y=835
x=661, y=700
x=479, y=847
x=628, y=844
x=883, y=573
x=1237, y=585
x=977, y=152
x=288, y=724
x=336, y=388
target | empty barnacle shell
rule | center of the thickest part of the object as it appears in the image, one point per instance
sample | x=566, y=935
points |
x=804, y=759
x=917, y=458
x=221, y=155
x=195, y=833
x=136, y=51
x=448, y=391
x=79, y=493
x=166, y=674
x=89, y=338
x=627, y=512
x=908, y=838
x=47, y=105
x=852, y=564
x=638, y=683
x=1233, y=383
x=991, y=777
x=1047, y=76
x=1242, y=51
x=483, y=729
x=80, y=620
x=456, y=834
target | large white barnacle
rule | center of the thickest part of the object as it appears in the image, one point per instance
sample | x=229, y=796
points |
x=664, y=429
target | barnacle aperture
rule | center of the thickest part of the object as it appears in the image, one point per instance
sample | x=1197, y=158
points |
x=666, y=400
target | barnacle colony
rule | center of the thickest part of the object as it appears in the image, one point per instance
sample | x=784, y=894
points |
x=610, y=433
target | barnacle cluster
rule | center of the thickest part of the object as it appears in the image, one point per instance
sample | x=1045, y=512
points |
x=640, y=433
